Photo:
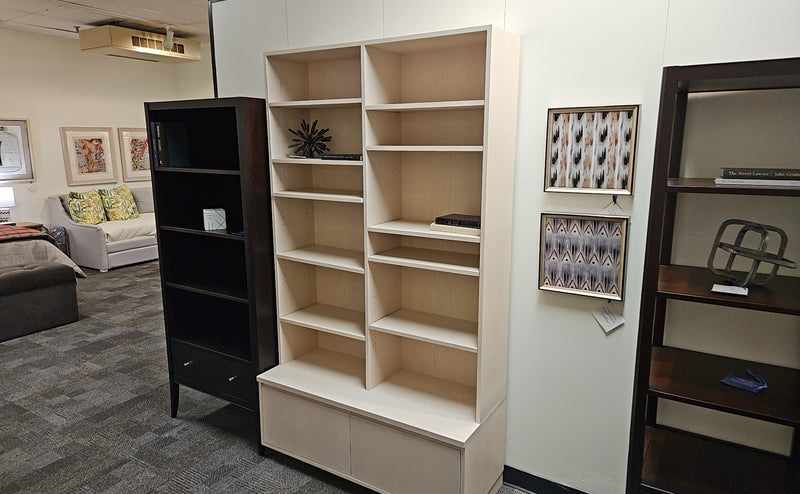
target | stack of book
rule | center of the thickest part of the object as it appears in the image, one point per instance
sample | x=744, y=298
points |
x=784, y=177
x=466, y=224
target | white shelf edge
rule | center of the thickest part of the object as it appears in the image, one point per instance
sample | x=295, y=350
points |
x=328, y=257
x=429, y=259
x=427, y=106
x=316, y=161
x=320, y=195
x=431, y=328
x=415, y=228
x=316, y=103
x=428, y=149
x=329, y=319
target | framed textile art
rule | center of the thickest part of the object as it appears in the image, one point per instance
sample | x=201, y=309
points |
x=16, y=164
x=135, y=154
x=583, y=254
x=591, y=150
x=89, y=155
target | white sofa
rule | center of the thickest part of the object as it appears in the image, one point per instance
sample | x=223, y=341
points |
x=113, y=243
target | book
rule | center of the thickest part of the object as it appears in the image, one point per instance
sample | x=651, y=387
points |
x=467, y=220
x=761, y=173
x=341, y=156
x=464, y=230
x=757, y=181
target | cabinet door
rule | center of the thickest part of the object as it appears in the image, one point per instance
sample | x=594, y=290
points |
x=310, y=431
x=402, y=463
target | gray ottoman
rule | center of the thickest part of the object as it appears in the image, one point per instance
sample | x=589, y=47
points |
x=36, y=296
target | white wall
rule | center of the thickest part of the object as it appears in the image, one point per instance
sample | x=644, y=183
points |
x=51, y=83
x=570, y=384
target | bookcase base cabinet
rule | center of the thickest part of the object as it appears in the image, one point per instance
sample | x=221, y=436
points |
x=381, y=456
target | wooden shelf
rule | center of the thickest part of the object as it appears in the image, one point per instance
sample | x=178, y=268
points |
x=429, y=149
x=694, y=284
x=427, y=106
x=676, y=462
x=435, y=260
x=211, y=291
x=414, y=402
x=330, y=319
x=707, y=186
x=206, y=233
x=695, y=378
x=318, y=194
x=329, y=257
x=317, y=103
x=417, y=228
x=432, y=328
x=316, y=161
x=206, y=171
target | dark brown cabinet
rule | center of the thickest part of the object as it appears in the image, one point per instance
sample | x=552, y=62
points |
x=217, y=285
x=664, y=458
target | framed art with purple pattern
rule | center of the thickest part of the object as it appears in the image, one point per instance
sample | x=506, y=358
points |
x=583, y=254
x=591, y=150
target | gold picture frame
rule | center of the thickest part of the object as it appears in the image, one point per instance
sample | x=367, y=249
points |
x=16, y=161
x=134, y=153
x=591, y=149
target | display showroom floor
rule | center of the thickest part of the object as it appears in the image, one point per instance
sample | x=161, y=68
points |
x=84, y=408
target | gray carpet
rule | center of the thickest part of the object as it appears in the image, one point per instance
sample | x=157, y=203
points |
x=84, y=408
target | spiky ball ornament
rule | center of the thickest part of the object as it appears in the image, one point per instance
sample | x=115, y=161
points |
x=310, y=140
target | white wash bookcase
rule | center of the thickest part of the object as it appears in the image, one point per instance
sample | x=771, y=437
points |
x=393, y=337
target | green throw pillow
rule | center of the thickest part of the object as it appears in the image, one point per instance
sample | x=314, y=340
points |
x=119, y=203
x=86, y=207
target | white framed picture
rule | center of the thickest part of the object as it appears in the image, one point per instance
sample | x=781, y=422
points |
x=89, y=155
x=16, y=164
x=135, y=154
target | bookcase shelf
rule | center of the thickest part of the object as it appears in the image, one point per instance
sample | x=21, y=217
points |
x=217, y=286
x=677, y=367
x=392, y=336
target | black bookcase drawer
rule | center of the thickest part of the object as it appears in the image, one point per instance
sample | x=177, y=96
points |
x=221, y=376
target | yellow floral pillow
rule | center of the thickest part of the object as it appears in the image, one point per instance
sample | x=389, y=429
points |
x=119, y=203
x=86, y=207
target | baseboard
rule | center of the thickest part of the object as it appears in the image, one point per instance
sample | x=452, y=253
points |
x=522, y=480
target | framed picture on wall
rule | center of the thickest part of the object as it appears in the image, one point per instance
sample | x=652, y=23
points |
x=583, y=254
x=135, y=154
x=16, y=164
x=591, y=150
x=89, y=155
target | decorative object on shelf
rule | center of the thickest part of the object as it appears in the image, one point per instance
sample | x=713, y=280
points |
x=214, y=219
x=311, y=140
x=15, y=151
x=591, y=149
x=755, y=255
x=88, y=155
x=583, y=254
x=135, y=153
x=755, y=385
x=6, y=203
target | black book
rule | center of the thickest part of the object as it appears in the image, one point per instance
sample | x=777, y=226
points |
x=453, y=219
x=761, y=173
x=341, y=156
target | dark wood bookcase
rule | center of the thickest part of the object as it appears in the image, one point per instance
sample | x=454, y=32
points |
x=663, y=459
x=218, y=285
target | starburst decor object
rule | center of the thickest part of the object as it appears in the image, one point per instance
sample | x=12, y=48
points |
x=309, y=140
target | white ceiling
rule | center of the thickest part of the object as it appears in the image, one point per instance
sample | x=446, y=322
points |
x=188, y=18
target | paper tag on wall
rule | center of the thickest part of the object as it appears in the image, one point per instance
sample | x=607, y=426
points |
x=608, y=317
x=613, y=209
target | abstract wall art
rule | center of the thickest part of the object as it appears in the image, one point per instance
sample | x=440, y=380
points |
x=583, y=254
x=591, y=150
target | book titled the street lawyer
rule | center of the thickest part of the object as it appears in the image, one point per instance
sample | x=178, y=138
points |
x=761, y=173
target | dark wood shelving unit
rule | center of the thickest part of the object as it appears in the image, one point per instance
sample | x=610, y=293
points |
x=217, y=286
x=664, y=459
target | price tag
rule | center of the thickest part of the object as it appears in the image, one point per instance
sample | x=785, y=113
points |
x=729, y=289
x=608, y=317
x=613, y=209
